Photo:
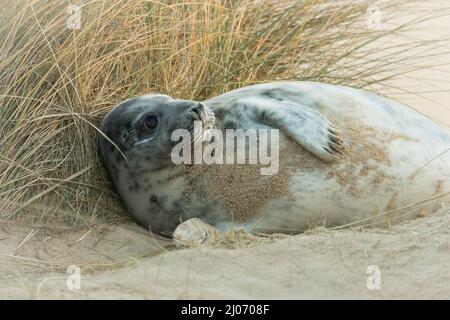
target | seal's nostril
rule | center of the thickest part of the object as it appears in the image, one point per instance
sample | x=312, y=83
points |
x=197, y=112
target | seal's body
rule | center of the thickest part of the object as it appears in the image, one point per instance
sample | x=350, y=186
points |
x=346, y=155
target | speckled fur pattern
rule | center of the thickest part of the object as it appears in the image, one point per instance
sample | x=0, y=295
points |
x=345, y=154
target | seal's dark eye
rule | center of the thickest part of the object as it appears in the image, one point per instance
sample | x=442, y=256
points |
x=150, y=122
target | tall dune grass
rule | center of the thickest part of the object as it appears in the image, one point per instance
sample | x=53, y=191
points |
x=56, y=84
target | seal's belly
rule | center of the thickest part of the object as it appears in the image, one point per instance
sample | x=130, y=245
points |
x=377, y=177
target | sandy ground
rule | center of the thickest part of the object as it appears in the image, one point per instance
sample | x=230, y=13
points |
x=431, y=86
x=122, y=261
x=125, y=261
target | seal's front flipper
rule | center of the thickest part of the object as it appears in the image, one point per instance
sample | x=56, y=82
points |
x=306, y=126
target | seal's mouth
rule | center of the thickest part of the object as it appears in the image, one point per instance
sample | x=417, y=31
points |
x=206, y=116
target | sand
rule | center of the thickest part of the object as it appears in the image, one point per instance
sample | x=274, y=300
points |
x=121, y=260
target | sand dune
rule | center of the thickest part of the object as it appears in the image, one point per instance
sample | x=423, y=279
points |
x=413, y=259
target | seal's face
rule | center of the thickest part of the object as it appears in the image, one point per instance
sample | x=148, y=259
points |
x=140, y=130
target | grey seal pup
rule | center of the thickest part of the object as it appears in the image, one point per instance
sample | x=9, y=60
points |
x=345, y=155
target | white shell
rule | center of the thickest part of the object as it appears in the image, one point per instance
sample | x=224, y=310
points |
x=194, y=232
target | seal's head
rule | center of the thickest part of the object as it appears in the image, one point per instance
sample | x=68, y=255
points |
x=139, y=130
x=136, y=147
